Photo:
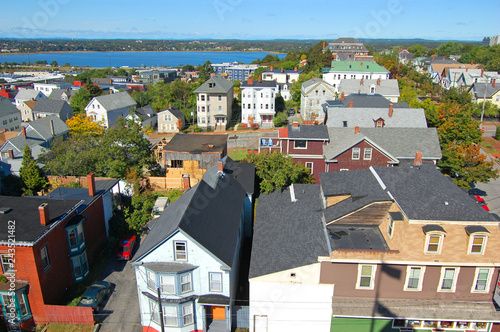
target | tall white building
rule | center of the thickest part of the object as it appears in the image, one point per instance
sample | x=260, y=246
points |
x=258, y=103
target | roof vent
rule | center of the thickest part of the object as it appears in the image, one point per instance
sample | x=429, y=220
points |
x=5, y=210
x=446, y=203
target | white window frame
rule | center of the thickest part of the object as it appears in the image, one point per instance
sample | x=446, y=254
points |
x=354, y=151
x=471, y=244
x=167, y=315
x=476, y=277
x=187, y=314
x=312, y=166
x=8, y=265
x=420, y=279
x=454, y=282
x=427, y=242
x=299, y=140
x=167, y=281
x=365, y=151
x=153, y=310
x=186, y=282
x=180, y=255
x=372, y=277
x=151, y=280
x=213, y=283
x=390, y=227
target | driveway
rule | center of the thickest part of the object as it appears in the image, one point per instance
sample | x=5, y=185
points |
x=121, y=312
x=490, y=191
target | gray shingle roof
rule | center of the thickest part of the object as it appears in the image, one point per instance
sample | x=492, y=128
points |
x=56, y=94
x=257, y=84
x=365, y=101
x=146, y=111
x=52, y=106
x=386, y=87
x=211, y=216
x=196, y=144
x=7, y=108
x=317, y=80
x=400, y=143
x=174, y=111
x=26, y=94
x=308, y=132
x=116, y=101
x=481, y=88
x=221, y=85
x=288, y=234
x=365, y=117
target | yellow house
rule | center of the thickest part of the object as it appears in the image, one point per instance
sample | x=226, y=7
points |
x=489, y=91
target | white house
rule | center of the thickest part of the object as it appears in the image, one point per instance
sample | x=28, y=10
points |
x=145, y=116
x=47, y=88
x=108, y=108
x=351, y=70
x=281, y=75
x=190, y=258
x=170, y=120
x=27, y=94
x=314, y=93
x=258, y=103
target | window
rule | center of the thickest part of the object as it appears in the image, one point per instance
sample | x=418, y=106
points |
x=366, y=275
x=379, y=124
x=367, y=154
x=215, y=281
x=168, y=117
x=324, y=93
x=155, y=315
x=23, y=307
x=448, y=278
x=176, y=163
x=220, y=109
x=167, y=284
x=170, y=316
x=414, y=278
x=477, y=244
x=481, y=280
x=151, y=280
x=186, y=283
x=202, y=97
x=180, y=253
x=300, y=144
x=44, y=254
x=390, y=230
x=433, y=245
x=7, y=263
x=75, y=235
x=310, y=166
x=220, y=97
x=344, y=123
x=355, y=153
x=187, y=314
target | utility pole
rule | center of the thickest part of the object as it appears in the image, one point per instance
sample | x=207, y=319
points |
x=160, y=309
x=192, y=115
x=484, y=102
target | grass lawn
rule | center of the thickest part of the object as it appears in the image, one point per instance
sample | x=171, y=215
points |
x=53, y=327
x=488, y=147
x=237, y=155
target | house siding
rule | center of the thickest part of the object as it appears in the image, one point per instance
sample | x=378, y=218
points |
x=345, y=161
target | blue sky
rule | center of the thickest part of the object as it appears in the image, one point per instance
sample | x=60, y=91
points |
x=250, y=19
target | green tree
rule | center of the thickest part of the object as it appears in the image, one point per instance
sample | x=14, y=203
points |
x=32, y=176
x=205, y=70
x=53, y=63
x=418, y=50
x=280, y=119
x=276, y=171
x=83, y=96
x=138, y=214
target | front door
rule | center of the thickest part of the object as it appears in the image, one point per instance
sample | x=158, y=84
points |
x=219, y=312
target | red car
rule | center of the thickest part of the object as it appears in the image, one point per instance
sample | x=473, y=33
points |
x=482, y=202
x=126, y=248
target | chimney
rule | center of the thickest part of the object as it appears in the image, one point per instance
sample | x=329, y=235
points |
x=361, y=64
x=324, y=45
x=212, y=74
x=295, y=124
x=186, y=182
x=482, y=72
x=466, y=69
x=169, y=106
x=342, y=97
x=282, y=69
x=91, y=183
x=494, y=81
x=351, y=104
x=444, y=57
x=271, y=68
x=260, y=79
x=43, y=209
x=362, y=82
x=250, y=81
x=391, y=107
x=378, y=81
x=356, y=130
x=433, y=57
x=52, y=130
x=220, y=165
x=418, y=159
x=11, y=154
x=24, y=131
x=313, y=79
x=294, y=68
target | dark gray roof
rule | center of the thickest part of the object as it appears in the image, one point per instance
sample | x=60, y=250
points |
x=244, y=173
x=174, y=111
x=476, y=229
x=51, y=106
x=42, y=126
x=396, y=216
x=56, y=94
x=169, y=267
x=288, y=234
x=261, y=84
x=365, y=101
x=357, y=237
x=366, y=117
x=25, y=213
x=312, y=82
x=481, y=88
x=221, y=85
x=345, y=40
x=116, y=101
x=211, y=216
x=432, y=228
x=7, y=108
x=426, y=194
x=214, y=299
x=308, y=132
x=388, y=87
x=196, y=144
x=146, y=111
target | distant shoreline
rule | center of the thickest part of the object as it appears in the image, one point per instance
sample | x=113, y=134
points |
x=61, y=52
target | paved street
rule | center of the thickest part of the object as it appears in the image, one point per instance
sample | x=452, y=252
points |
x=491, y=193
x=121, y=312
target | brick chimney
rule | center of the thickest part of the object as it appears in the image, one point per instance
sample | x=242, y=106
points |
x=433, y=57
x=260, y=79
x=342, y=97
x=472, y=62
x=494, y=81
x=324, y=45
x=361, y=64
x=313, y=78
x=220, y=165
x=186, y=182
x=378, y=81
x=23, y=129
x=356, y=130
x=250, y=81
x=444, y=57
x=282, y=69
x=361, y=82
x=91, y=184
x=271, y=68
x=11, y=154
x=391, y=108
x=294, y=68
x=418, y=159
x=351, y=104
x=212, y=74
x=43, y=209
x=295, y=124
x=482, y=72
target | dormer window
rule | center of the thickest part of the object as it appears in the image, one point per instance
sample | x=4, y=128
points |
x=478, y=236
x=211, y=85
x=379, y=123
x=434, y=238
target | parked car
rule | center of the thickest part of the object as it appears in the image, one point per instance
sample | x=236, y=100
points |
x=291, y=112
x=482, y=202
x=95, y=295
x=126, y=248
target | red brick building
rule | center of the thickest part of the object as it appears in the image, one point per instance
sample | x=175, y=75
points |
x=46, y=246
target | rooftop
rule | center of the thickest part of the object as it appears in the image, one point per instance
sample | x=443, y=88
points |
x=355, y=66
x=197, y=144
x=366, y=117
x=215, y=84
